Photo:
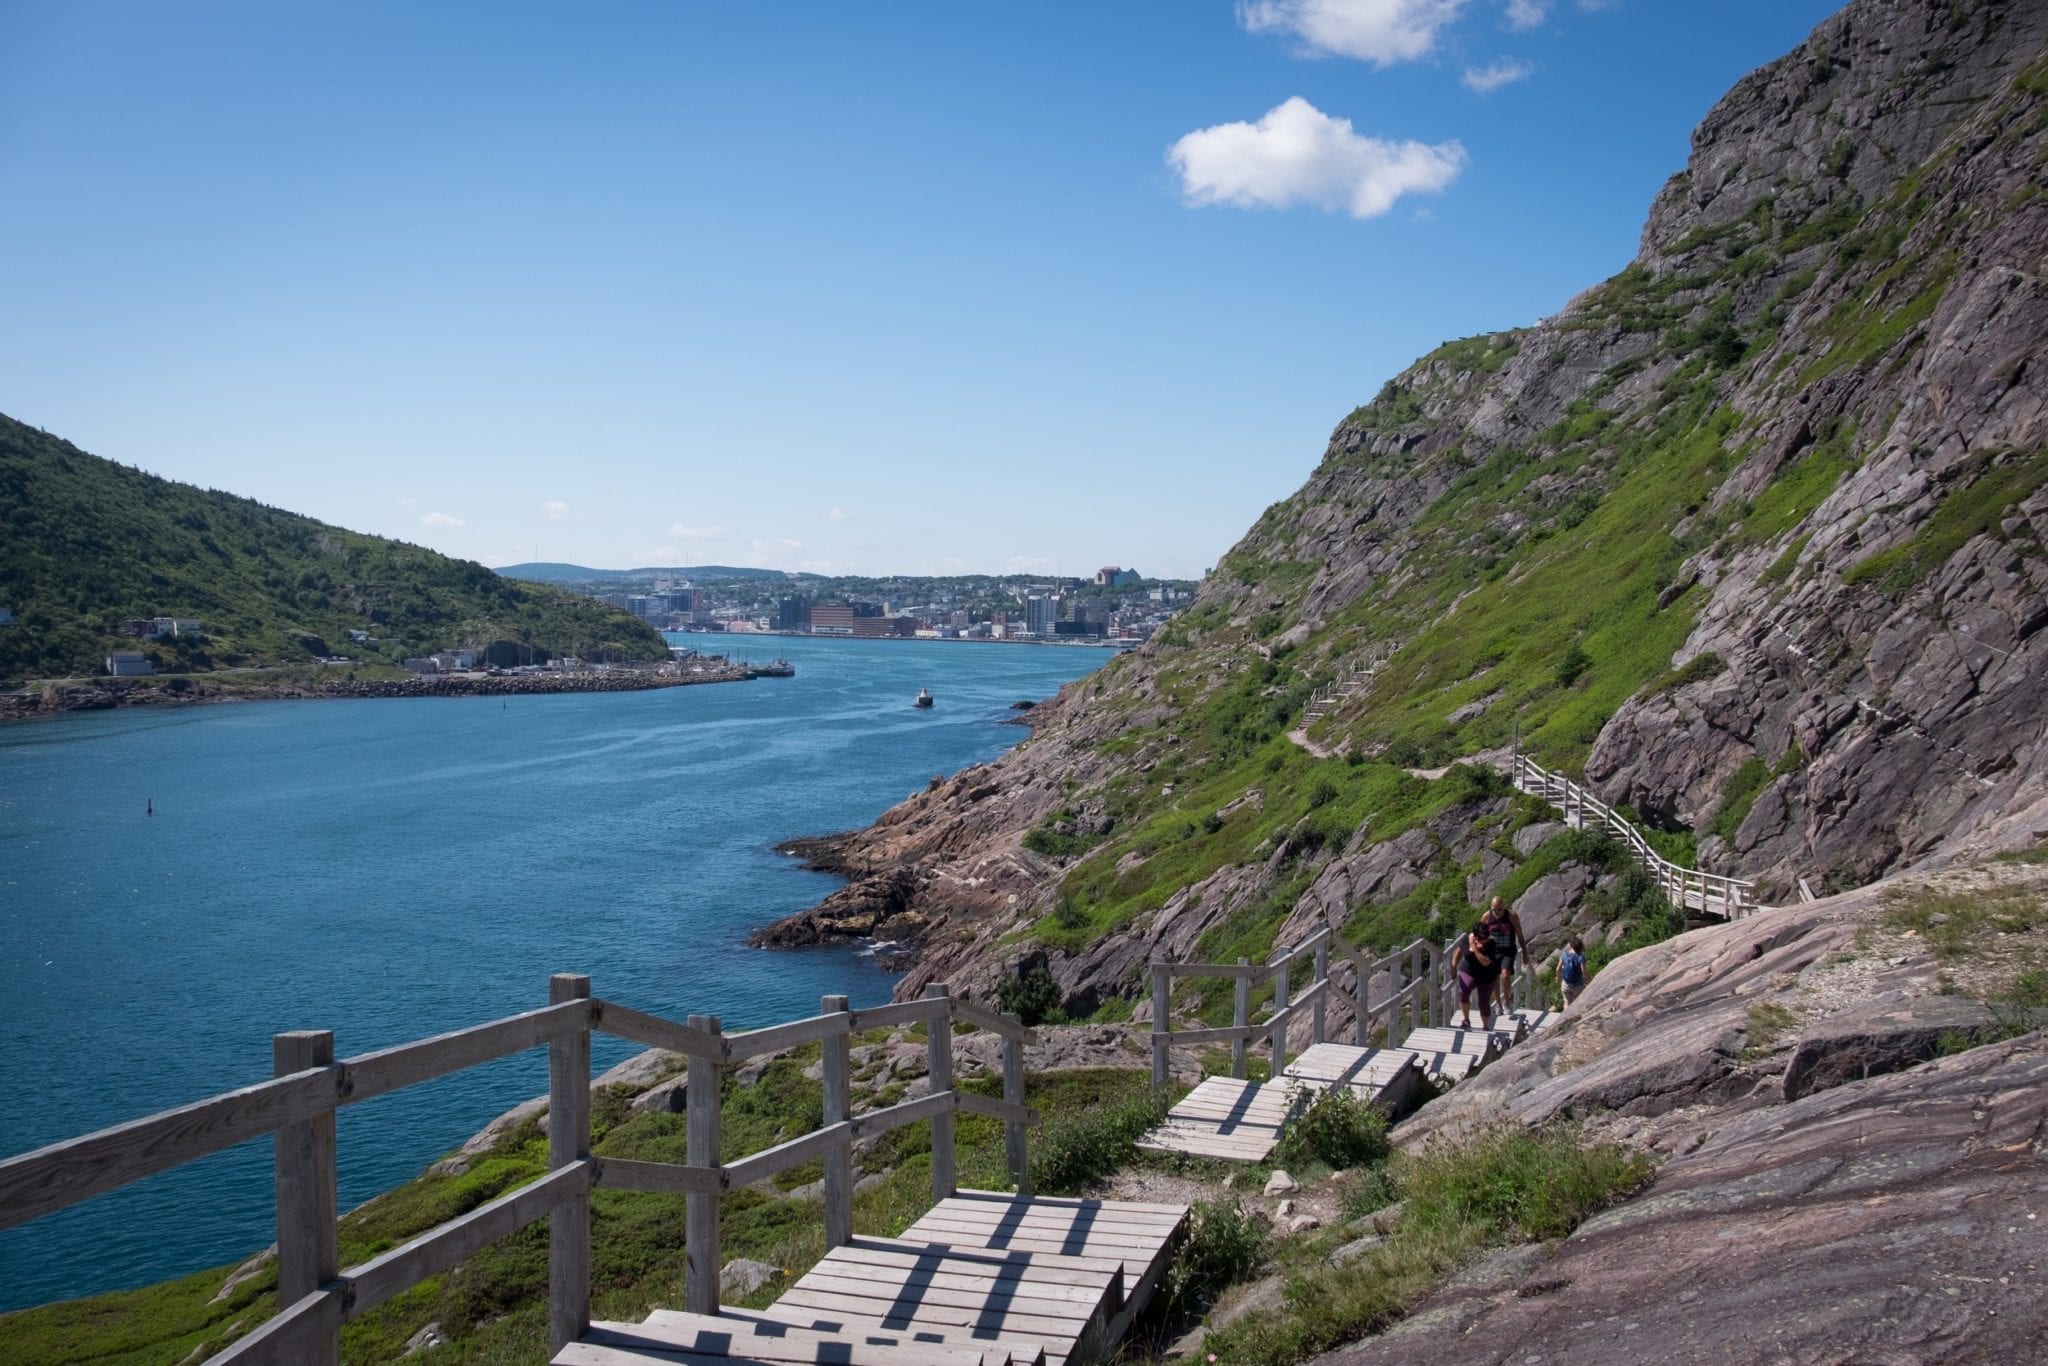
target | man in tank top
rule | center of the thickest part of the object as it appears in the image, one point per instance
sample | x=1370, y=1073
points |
x=1503, y=930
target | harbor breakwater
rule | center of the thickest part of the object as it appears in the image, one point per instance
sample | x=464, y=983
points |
x=98, y=695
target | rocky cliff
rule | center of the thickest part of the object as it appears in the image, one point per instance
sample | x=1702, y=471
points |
x=1748, y=536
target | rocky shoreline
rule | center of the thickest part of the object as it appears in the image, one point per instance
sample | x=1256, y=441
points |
x=57, y=699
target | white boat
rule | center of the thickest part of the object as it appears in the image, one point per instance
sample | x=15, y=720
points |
x=924, y=698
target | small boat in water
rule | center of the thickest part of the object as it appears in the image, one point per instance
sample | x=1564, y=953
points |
x=774, y=668
x=924, y=698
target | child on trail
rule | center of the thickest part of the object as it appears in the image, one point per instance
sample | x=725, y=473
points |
x=1477, y=972
x=1571, y=969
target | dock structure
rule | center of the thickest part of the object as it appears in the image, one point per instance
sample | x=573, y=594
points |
x=984, y=1277
x=1401, y=1041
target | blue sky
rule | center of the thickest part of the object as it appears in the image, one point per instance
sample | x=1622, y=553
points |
x=870, y=288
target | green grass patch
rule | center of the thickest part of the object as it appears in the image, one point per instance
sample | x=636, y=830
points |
x=1505, y=1185
x=1974, y=506
x=1738, y=795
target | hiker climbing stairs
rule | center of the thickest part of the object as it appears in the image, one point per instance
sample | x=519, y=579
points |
x=984, y=1277
x=1402, y=1043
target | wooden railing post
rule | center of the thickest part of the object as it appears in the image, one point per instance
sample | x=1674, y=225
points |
x=569, y=1141
x=1240, y=1018
x=838, y=1078
x=939, y=1055
x=702, y=1104
x=1418, y=1005
x=1362, y=998
x=1162, y=1023
x=1013, y=1129
x=1279, y=1039
x=1316, y=1011
x=308, y=1253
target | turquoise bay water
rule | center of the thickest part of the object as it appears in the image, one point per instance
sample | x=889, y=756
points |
x=392, y=869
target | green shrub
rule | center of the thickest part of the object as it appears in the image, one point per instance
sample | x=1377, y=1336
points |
x=1070, y=1150
x=1030, y=993
x=1225, y=1244
x=1569, y=669
x=1340, y=1128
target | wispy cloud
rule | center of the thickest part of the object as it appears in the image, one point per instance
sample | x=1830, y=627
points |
x=1527, y=14
x=408, y=502
x=1486, y=79
x=1297, y=154
x=1378, y=31
x=441, y=519
x=779, y=552
x=837, y=514
x=556, y=509
x=698, y=533
x=1030, y=564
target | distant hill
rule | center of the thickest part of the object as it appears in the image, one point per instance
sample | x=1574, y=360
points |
x=546, y=571
x=91, y=543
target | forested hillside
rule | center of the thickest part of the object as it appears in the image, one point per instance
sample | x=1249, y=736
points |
x=90, y=543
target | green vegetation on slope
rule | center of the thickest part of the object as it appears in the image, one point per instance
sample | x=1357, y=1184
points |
x=92, y=543
x=1502, y=1186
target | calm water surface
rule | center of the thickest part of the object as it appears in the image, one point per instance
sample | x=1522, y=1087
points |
x=392, y=869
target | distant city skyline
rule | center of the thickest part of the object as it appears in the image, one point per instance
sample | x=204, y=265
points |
x=917, y=289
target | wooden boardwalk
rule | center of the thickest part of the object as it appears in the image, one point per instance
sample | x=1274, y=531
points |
x=1241, y=1121
x=984, y=1277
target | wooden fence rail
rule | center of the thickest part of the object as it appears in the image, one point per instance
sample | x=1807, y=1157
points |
x=1423, y=996
x=297, y=1107
x=1686, y=888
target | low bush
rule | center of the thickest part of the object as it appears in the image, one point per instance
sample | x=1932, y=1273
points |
x=1340, y=1129
x=1226, y=1243
x=1072, y=1149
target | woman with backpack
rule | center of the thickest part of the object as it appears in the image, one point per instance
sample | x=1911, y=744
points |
x=1571, y=969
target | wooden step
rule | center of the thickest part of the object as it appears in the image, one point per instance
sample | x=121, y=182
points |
x=1019, y=1300
x=1225, y=1117
x=670, y=1337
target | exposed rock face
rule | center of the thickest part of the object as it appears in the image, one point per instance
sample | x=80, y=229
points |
x=1672, y=1041
x=1807, y=431
x=1894, y=1220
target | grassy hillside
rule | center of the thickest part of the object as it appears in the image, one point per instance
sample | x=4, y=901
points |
x=91, y=543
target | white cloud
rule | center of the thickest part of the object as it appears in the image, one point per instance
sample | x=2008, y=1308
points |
x=779, y=552
x=1297, y=154
x=408, y=502
x=1378, y=31
x=698, y=533
x=441, y=519
x=837, y=514
x=1030, y=564
x=1486, y=79
x=1527, y=14
x=556, y=509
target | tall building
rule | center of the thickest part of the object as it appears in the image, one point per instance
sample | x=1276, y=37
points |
x=792, y=614
x=1040, y=612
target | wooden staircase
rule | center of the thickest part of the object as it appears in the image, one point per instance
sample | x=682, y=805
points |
x=984, y=1278
x=1249, y=1127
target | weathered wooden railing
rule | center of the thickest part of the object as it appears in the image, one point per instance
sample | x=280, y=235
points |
x=1350, y=676
x=1686, y=888
x=316, y=1296
x=1424, y=996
